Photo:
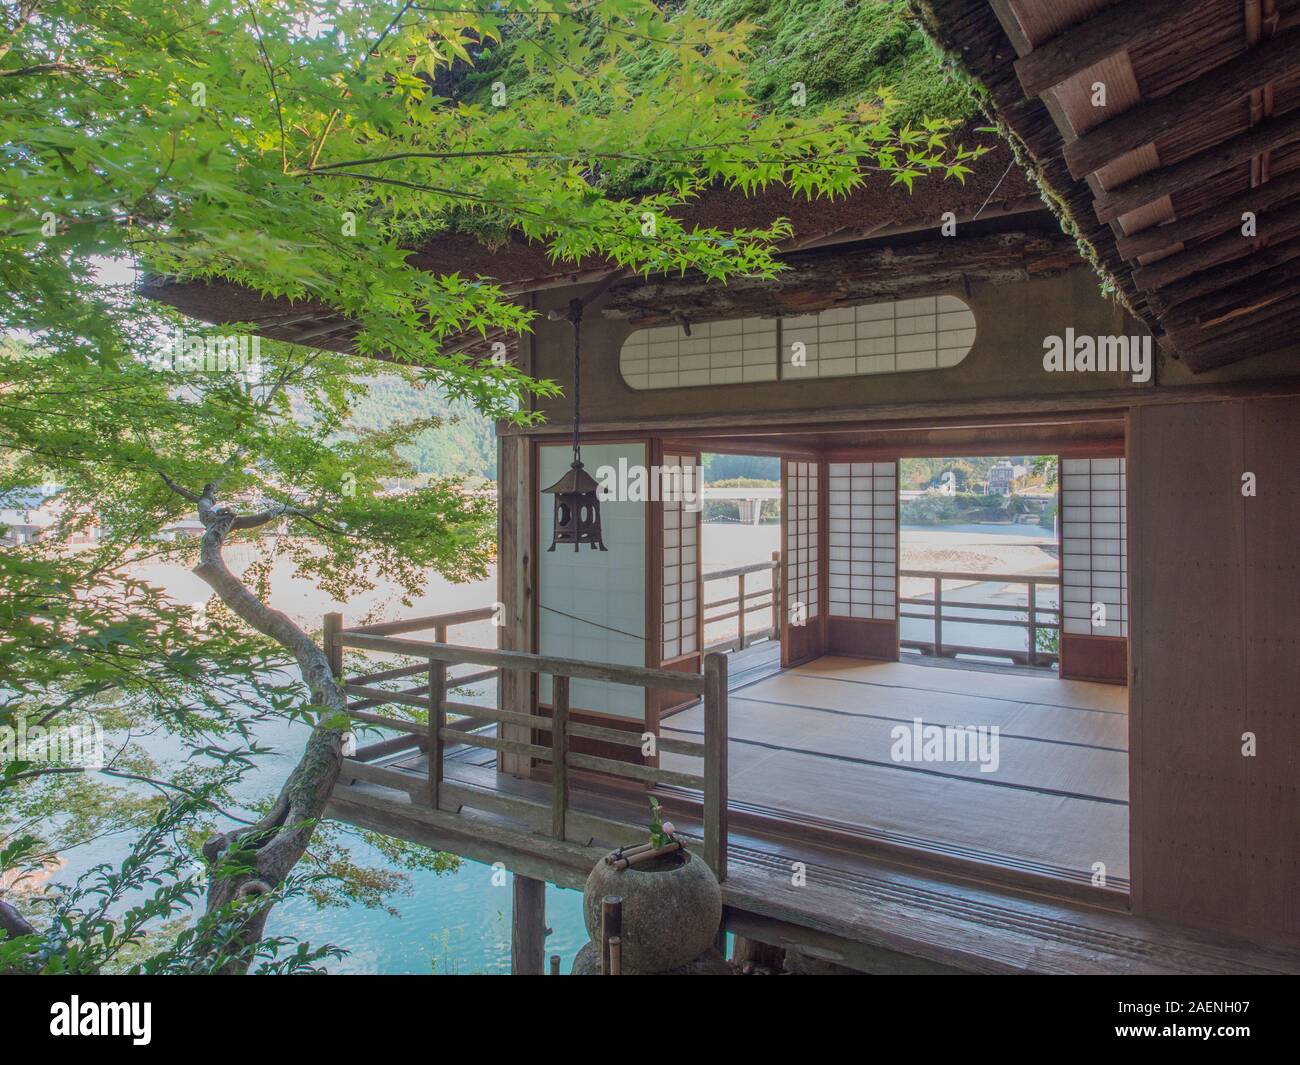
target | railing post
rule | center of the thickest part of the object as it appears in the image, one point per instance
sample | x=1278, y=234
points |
x=715, y=763
x=776, y=595
x=333, y=651
x=938, y=617
x=437, y=722
x=559, y=754
x=1033, y=627
x=740, y=616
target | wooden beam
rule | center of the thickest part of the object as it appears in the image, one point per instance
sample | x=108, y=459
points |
x=1242, y=329
x=1167, y=181
x=1200, y=284
x=1234, y=299
x=528, y=927
x=1231, y=245
x=1226, y=215
x=1282, y=332
x=814, y=281
x=1076, y=48
x=1216, y=89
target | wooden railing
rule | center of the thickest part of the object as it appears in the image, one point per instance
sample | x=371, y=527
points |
x=443, y=729
x=1036, y=617
x=743, y=604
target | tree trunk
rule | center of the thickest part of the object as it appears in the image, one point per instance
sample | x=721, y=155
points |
x=271, y=848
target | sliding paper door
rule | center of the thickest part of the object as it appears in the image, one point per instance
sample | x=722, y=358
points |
x=863, y=564
x=801, y=556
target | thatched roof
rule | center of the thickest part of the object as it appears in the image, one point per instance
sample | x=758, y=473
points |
x=841, y=50
x=1153, y=129
x=877, y=209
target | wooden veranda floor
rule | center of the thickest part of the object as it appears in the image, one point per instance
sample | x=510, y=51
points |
x=814, y=745
x=864, y=911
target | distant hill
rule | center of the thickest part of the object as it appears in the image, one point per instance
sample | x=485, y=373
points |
x=464, y=445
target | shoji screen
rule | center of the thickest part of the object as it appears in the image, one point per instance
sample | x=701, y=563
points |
x=1094, y=568
x=802, y=561
x=680, y=486
x=863, y=548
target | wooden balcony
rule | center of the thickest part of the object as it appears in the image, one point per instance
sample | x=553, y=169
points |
x=449, y=723
x=882, y=902
x=1034, y=615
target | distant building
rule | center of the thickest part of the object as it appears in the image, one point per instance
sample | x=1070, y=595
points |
x=28, y=514
x=1001, y=477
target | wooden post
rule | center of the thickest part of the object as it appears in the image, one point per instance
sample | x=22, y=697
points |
x=528, y=927
x=750, y=953
x=437, y=722
x=616, y=956
x=611, y=927
x=555, y=965
x=938, y=617
x=776, y=595
x=1033, y=627
x=715, y=763
x=333, y=652
x=559, y=754
x=740, y=615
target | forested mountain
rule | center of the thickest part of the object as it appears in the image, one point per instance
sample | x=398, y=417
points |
x=464, y=444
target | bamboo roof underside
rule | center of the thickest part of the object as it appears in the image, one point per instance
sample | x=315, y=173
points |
x=1197, y=131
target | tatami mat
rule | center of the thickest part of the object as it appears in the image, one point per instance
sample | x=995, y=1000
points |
x=816, y=742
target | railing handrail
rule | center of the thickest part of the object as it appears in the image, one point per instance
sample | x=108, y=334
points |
x=940, y=607
x=1009, y=578
x=736, y=571
x=524, y=661
x=439, y=732
x=460, y=617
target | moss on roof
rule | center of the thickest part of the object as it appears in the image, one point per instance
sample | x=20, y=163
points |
x=841, y=50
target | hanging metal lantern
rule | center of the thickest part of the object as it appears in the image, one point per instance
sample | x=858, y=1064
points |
x=577, y=502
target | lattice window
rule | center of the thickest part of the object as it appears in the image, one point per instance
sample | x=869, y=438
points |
x=716, y=353
x=802, y=563
x=680, y=484
x=1094, y=555
x=927, y=333
x=863, y=540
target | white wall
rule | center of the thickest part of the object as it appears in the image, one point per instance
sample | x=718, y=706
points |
x=591, y=604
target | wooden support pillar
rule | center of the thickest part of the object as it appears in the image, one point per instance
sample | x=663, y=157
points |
x=756, y=954
x=559, y=755
x=333, y=652
x=715, y=763
x=437, y=722
x=514, y=590
x=528, y=927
